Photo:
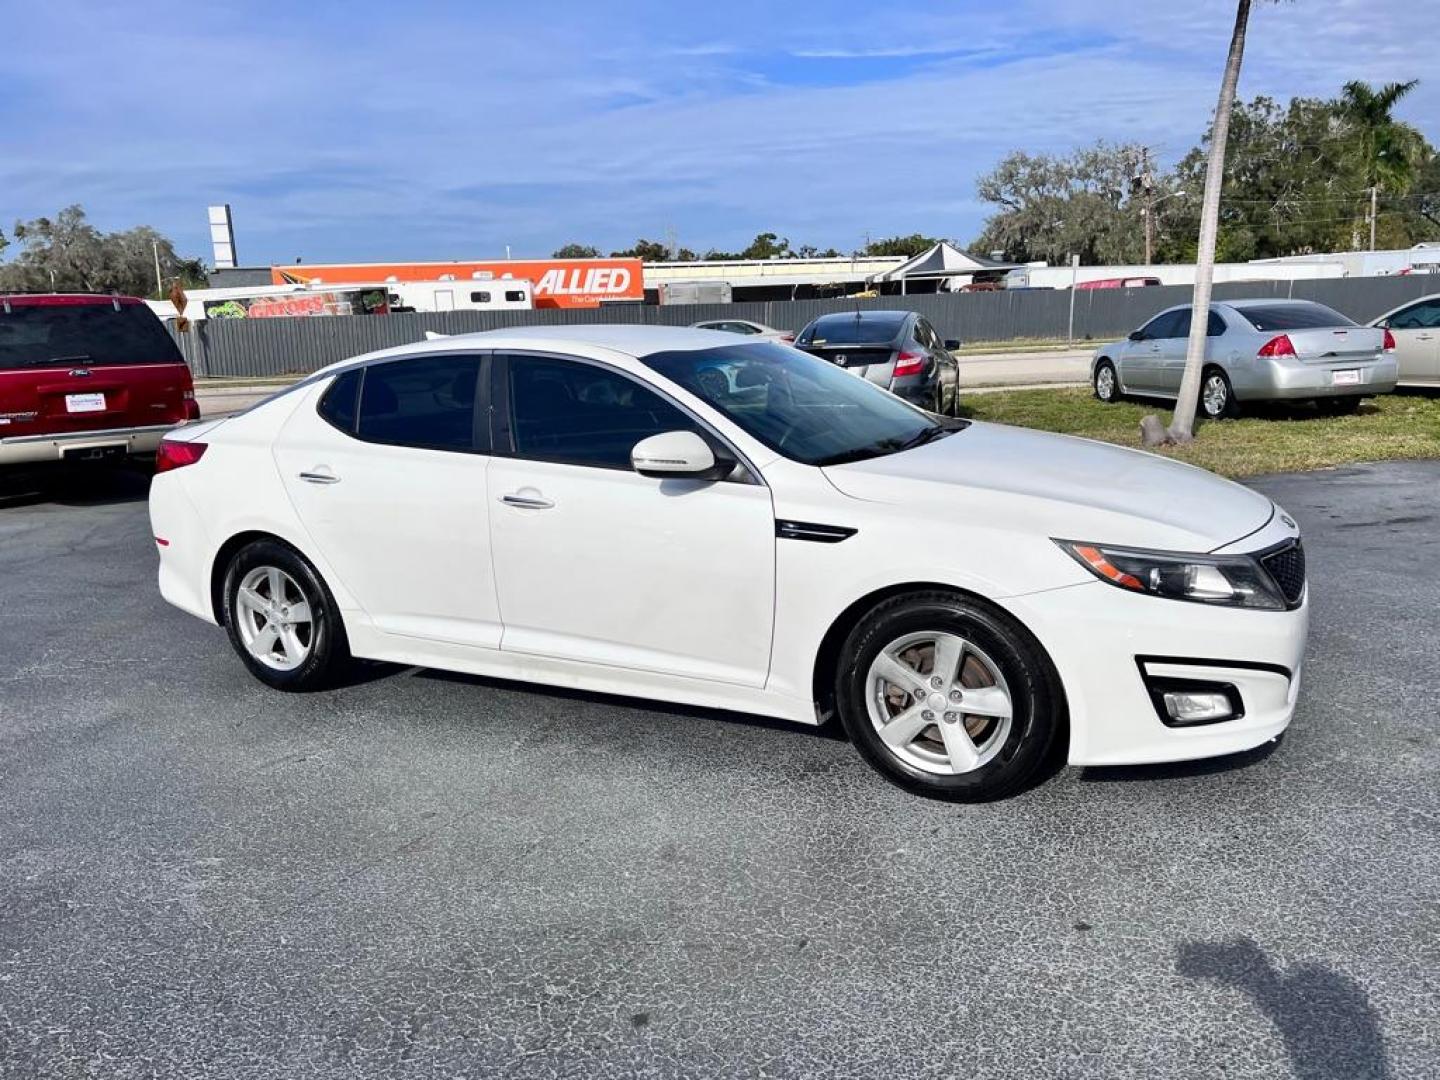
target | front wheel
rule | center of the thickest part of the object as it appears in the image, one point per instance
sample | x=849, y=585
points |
x=281, y=618
x=947, y=698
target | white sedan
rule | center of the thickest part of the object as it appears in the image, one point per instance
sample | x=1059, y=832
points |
x=747, y=327
x=660, y=513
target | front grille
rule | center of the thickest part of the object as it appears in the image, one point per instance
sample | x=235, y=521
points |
x=1287, y=567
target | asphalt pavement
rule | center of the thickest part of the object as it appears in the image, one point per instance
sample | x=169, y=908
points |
x=433, y=875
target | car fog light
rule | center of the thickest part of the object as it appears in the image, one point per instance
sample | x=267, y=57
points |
x=1197, y=706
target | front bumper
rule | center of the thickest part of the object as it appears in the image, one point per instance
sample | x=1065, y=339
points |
x=1283, y=380
x=1104, y=640
x=35, y=449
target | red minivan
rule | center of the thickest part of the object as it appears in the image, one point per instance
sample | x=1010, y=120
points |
x=87, y=378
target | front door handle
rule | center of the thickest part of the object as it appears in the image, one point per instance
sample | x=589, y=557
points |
x=527, y=502
x=319, y=475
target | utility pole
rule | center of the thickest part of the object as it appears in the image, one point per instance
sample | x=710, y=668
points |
x=160, y=285
x=1374, y=196
x=1144, y=182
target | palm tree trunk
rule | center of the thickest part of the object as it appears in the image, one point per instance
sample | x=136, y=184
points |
x=1183, y=423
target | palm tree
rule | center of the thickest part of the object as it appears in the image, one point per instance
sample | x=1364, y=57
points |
x=1388, y=148
x=1182, y=424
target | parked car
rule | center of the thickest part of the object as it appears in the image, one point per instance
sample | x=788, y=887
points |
x=87, y=378
x=1415, y=329
x=1119, y=283
x=659, y=512
x=898, y=350
x=1256, y=350
x=747, y=327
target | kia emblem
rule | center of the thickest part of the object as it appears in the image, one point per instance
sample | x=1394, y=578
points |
x=840, y=359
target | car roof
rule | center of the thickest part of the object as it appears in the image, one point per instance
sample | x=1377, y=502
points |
x=64, y=299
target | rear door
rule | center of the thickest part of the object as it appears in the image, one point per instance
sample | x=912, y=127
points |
x=1171, y=366
x=76, y=364
x=1417, y=340
x=391, y=487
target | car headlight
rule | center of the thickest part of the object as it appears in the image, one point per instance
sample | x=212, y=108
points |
x=1226, y=580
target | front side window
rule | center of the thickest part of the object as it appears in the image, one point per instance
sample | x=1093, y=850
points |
x=426, y=402
x=581, y=414
x=1160, y=326
x=1422, y=316
x=797, y=404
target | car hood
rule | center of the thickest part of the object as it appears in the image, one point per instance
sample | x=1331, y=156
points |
x=995, y=476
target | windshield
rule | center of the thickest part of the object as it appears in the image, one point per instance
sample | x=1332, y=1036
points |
x=857, y=329
x=799, y=405
x=1270, y=317
x=88, y=335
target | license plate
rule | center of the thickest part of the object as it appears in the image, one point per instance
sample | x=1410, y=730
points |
x=84, y=402
x=1344, y=378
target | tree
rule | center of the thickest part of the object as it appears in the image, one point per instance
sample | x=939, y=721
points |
x=1391, y=152
x=907, y=246
x=1182, y=424
x=576, y=251
x=649, y=250
x=1052, y=207
x=67, y=253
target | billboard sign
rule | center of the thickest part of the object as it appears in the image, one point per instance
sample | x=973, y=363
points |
x=559, y=283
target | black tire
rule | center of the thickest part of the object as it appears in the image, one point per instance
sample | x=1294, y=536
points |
x=1227, y=409
x=1338, y=406
x=328, y=653
x=1037, y=702
x=1107, y=391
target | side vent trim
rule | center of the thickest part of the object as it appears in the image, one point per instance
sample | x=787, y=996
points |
x=816, y=533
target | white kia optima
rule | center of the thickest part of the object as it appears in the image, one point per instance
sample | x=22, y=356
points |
x=678, y=515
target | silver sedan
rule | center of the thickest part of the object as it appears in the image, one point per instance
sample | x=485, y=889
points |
x=1256, y=350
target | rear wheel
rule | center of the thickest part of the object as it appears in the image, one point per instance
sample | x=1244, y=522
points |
x=281, y=618
x=1217, y=399
x=1107, y=386
x=946, y=697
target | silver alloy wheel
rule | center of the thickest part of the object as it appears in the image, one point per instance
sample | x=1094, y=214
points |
x=938, y=703
x=1217, y=394
x=1105, y=382
x=274, y=618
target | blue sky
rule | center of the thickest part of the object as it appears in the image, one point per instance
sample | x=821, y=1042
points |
x=427, y=130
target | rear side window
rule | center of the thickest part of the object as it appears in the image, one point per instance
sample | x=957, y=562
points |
x=1272, y=317
x=83, y=335
x=1216, y=326
x=580, y=414
x=341, y=402
x=426, y=402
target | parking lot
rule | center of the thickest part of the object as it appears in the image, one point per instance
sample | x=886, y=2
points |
x=427, y=874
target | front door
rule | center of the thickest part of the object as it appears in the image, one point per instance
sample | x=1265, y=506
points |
x=598, y=564
x=388, y=476
x=1142, y=356
x=1417, y=341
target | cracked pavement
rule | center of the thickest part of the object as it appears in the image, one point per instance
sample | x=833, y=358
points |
x=433, y=875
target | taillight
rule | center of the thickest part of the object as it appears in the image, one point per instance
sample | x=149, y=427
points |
x=1389, y=340
x=788, y=339
x=173, y=454
x=909, y=363
x=1280, y=345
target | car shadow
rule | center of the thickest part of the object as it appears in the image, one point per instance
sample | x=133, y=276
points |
x=1179, y=770
x=831, y=730
x=60, y=486
x=1324, y=1017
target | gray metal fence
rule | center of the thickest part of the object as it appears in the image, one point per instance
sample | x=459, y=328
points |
x=274, y=347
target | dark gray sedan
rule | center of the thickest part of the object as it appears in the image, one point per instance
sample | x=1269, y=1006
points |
x=898, y=350
x=1256, y=350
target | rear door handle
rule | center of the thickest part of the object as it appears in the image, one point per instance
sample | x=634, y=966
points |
x=319, y=475
x=526, y=502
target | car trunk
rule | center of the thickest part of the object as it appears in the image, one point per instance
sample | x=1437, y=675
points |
x=70, y=365
x=873, y=362
x=1338, y=343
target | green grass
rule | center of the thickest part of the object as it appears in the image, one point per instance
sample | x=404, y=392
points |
x=1265, y=440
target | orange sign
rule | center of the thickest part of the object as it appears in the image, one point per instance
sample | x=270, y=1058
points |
x=559, y=283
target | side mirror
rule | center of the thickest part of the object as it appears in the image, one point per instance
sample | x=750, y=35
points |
x=677, y=454
x=952, y=343
x=1137, y=335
